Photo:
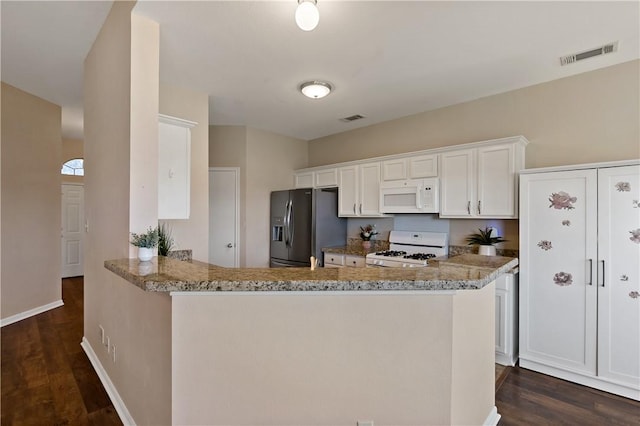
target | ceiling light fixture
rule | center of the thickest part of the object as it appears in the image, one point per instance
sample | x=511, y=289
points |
x=307, y=15
x=315, y=89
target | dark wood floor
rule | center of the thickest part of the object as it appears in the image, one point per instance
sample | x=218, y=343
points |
x=529, y=398
x=47, y=378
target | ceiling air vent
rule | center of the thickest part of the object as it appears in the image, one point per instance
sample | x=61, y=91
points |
x=352, y=118
x=602, y=50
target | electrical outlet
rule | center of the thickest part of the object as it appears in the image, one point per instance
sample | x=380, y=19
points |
x=113, y=353
x=101, y=334
x=365, y=422
x=494, y=232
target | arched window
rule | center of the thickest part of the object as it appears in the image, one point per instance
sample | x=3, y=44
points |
x=73, y=167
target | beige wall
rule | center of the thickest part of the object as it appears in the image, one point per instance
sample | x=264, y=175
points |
x=332, y=359
x=267, y=161
x=271, y=160
x=120, y=125
x=71, y=148
x=588, y=117
x=192, y=233
x=228, y=148
x=31, y=208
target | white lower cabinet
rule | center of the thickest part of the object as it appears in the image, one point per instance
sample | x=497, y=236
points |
x=341, y=260
x=507, y=319
x=579, y=276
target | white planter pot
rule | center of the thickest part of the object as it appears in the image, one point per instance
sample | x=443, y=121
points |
x=145, y=254
x=487, y=250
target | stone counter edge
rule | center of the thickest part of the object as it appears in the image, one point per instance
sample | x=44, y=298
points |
x=201, y=277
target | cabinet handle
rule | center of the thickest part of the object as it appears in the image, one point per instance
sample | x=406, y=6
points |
x=469, y=207
x=603, y=274
x=478, y=206
x=360, y=208
x=590, y=271
x=354, y=208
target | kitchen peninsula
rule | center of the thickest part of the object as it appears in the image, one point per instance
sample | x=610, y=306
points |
x=330, y=346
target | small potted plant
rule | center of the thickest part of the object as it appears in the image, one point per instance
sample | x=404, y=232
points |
x=366, y=233
x=146, y=243
x=165, y=240
x=486, y=242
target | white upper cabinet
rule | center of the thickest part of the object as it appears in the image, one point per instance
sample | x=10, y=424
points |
x=359, y=190
x=323, y=178
x=326, y=178
x=414, y=167
x=481, y=182
x=303, y=180
x=174, y=167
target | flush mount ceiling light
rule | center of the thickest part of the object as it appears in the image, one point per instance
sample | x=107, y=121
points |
x=315, y=89
x=307, y=15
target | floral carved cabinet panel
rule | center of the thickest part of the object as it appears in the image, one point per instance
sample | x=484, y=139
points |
x=619, y=274
x=558, y=302
x=580, y=276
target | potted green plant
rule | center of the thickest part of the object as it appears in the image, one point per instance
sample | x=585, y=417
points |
x=145, y=242
x=367, y=233
x=165, y=240
x=486, y=242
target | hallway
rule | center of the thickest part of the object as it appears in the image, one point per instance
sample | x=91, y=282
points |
x=46, y=376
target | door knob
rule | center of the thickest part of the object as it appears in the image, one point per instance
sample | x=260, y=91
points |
x=230, y=245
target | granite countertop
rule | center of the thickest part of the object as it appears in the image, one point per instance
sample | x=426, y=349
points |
x=350, y=250
x=165, y=275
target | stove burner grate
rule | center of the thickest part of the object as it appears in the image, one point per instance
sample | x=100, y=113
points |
x=391, y=253
x=420, y=256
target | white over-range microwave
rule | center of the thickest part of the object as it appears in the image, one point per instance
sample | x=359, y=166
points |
x=410, y=196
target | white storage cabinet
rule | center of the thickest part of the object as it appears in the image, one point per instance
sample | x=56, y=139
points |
x=507, y=319
x=414, y=167
x=481, y=182
x=174, y=167
x=579, y=275
x=323, y=178
x=359, y=190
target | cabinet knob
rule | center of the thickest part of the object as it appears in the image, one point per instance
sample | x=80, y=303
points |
x=230, y=245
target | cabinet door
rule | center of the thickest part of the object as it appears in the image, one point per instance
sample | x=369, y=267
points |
x=423, y=166
x=303, y=180
x=348, y=191
x=326, y=178
x=174, y=171
x=369, y=190
x=394, y=169
x=457, y=183
x=496, y=182
x=619, y=291
x=557, y=287
x=501, y=323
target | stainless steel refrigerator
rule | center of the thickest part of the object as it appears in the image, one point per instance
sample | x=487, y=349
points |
x=303, y=221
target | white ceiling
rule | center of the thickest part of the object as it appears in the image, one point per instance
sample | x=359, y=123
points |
x=385, y=59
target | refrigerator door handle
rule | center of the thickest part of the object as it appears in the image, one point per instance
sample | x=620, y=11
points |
x=291, y=224
x=286, y=224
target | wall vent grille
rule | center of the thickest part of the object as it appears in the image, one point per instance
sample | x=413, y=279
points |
x=602, y=50
x=352, y=118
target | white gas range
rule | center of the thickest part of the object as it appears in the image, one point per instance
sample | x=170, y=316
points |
x=410, y=249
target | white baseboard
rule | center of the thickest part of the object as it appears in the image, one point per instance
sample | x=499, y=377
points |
x=117, y=402
x=31, y=312
x=493, y=418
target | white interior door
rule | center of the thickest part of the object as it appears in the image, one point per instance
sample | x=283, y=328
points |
x=224, y=217
x=72, y=232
